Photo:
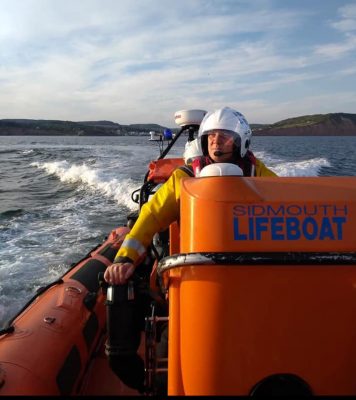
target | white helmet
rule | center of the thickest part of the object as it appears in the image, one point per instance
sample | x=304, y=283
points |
x=229, y=120
x=192, y=150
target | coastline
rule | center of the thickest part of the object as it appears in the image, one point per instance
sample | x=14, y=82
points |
x=334, y=124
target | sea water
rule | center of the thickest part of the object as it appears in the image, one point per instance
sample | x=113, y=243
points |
x=61, y=196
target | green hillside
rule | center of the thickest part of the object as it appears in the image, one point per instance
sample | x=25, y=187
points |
x=306, y=120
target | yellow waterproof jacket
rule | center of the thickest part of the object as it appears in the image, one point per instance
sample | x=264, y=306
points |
x=157, y=214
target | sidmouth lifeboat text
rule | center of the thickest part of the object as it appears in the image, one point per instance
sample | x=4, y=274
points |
x=289, y=222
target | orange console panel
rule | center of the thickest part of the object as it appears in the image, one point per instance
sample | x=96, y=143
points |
x=268, y=214
x=261, y=327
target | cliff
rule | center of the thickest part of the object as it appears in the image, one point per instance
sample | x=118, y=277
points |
x=336, y=124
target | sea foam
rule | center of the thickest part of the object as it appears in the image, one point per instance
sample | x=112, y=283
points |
x=119, y=188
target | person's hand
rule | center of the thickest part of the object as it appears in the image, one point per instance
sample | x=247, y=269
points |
x=118, y=273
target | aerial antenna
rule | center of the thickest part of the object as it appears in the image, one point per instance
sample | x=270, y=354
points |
x=188, y=120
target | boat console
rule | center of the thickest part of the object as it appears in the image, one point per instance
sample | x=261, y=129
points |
x=262, y=292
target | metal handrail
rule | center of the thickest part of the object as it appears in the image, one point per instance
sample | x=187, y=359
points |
x=255, y=258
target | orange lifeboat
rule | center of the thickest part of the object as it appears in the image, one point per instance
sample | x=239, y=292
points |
x=261, y=285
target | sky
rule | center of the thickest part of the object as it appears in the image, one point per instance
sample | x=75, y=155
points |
x=140, y=61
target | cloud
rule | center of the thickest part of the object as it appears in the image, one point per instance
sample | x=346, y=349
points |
x=269, y=113
x=347, y=21
x=139, y=61
x=346, y=24
x=336, y=50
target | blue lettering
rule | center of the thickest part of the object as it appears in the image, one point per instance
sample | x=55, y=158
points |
x=311, y=211
x=258, y=210
x=271, y=211
x=309, y=224
x=297, y=209
x=289, y=228
x=324, y=208
x=292, y=228
x=326, y=230
x=251, y=229
x=239, y=210
x=261, y=226
x=342, y=210
x=276, y=228
x=339, y=221
x=237, y=234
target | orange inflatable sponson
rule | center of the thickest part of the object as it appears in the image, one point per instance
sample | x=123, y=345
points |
x=160, y=170
x=240, y=328
x=49, y=344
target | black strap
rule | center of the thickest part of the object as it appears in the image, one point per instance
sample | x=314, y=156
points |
x=188, y=169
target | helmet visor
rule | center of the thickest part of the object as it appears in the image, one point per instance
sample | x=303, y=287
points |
x=223, y=135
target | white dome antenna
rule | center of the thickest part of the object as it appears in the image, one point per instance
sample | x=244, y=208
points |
x=189, y=117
